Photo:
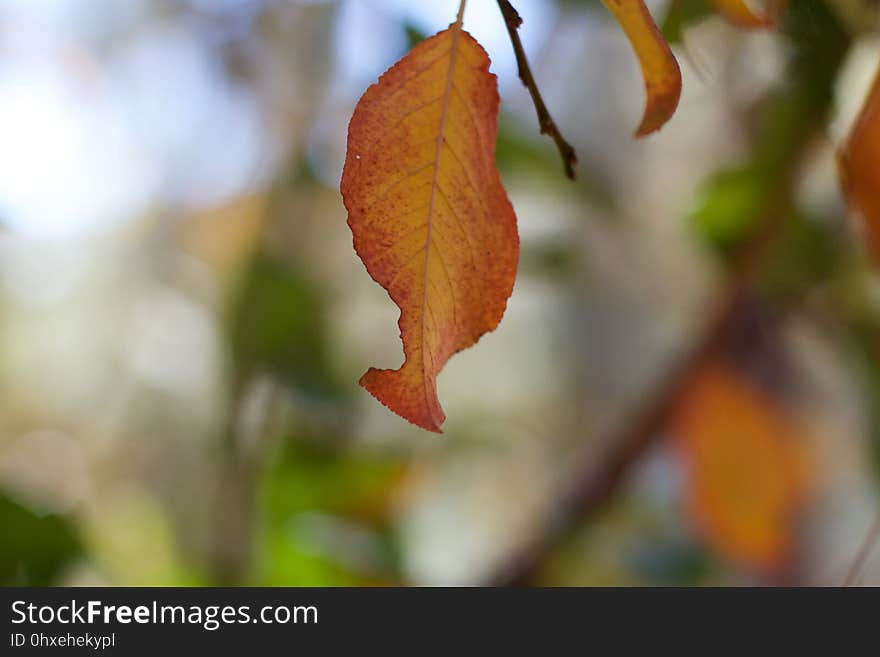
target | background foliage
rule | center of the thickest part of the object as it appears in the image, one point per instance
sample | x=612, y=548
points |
x=183, y=320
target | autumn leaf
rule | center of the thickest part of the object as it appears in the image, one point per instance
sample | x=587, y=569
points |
x=659, y=67
x=746, y=466
x=430, y=218
x=860, y=167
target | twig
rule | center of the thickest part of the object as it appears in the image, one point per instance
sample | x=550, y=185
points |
x=864, y=552
x=548, y=127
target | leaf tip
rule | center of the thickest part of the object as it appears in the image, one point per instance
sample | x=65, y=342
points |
x=661, y=102
x=418, y=408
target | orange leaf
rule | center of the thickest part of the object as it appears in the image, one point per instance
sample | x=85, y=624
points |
x=738, y=13
x=659, y=66
x=860, y=167
x=430, y=218
x=746, y=465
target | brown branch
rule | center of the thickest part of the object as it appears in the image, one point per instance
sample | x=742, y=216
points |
x=594, y=484
x=864, y=552
x=548, y=127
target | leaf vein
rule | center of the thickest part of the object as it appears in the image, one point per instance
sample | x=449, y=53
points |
x=385, y=192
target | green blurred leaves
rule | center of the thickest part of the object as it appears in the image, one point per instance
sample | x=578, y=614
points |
x=278, y=325
x=726, y=206
x=35, y=549
x=327, y=516
x=809, y=249
x=679, y=15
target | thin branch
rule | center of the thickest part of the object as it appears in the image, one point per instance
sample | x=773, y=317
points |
x=864, y=552
x=548, y=127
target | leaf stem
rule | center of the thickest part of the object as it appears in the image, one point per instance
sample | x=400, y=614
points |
x=548, y=127
x=460, y=17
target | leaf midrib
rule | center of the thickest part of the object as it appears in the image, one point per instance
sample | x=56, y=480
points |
x=441, y=130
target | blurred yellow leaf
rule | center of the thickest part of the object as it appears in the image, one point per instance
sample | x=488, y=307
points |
x=659, y=66
x=746, y=462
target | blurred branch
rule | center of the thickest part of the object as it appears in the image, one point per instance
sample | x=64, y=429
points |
x=865, y=549
x=240, y=456
x=548, y=127
x=793, y=118
x=594, y=484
